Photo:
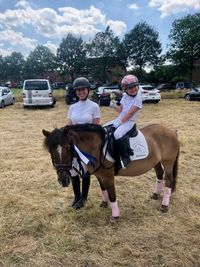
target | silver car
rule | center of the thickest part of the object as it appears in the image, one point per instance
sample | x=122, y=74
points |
x=6, y=97
x=38, y=92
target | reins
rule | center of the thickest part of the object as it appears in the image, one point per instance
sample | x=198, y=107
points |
x=93, y=159
x=84, y=157
x=108, y=140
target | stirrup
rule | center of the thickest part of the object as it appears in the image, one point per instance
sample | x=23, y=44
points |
x=122, y=163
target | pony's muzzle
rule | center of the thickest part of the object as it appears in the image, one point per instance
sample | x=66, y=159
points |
x=64, y=177
x=64, y=180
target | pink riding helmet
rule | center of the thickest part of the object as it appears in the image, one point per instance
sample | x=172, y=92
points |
x=129, y=80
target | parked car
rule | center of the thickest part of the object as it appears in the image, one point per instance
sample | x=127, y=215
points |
x=166, y=87
x=38, y=92
x=71, y=96
x=149, y=93
x=184, y=85
x=6, y=97
x=102, y=95
x=58, y=85
x=194, y=94
x=15, y=85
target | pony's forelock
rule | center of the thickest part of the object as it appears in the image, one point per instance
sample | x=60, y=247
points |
x=55, y=138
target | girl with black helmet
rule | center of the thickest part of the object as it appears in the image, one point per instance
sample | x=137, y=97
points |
x=84, y=111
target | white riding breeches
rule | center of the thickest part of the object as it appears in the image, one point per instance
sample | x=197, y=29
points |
x=122, y=129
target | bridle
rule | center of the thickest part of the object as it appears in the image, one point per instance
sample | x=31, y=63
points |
x=63, y=166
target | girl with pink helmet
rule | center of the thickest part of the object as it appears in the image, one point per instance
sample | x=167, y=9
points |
x=128, y=109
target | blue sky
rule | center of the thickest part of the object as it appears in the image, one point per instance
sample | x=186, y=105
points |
x=25, y=24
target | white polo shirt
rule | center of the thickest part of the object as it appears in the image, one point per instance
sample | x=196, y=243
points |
x=84, y=112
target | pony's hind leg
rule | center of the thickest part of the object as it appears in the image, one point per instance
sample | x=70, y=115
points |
x=159, y=182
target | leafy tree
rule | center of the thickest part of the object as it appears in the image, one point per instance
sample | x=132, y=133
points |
x=142, y=46
x=185, y=42
x=103, y=53
x=2, y=70
x=71, y=56
x=39, y=62
x=141, y=74
x=164, y=74
x=13, y=66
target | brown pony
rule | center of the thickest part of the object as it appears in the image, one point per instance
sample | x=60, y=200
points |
x=163, y=155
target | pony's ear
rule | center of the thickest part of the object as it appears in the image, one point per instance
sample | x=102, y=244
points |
x=45, y=133
x=66, y=130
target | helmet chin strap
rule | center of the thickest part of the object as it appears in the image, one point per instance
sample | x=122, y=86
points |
x=85, y=97
x=131, y=95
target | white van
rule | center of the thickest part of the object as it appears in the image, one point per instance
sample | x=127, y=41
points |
x=38, y=92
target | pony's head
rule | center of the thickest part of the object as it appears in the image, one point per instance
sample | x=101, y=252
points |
x=60, y=147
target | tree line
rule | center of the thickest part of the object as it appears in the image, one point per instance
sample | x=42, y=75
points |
x=140, y=48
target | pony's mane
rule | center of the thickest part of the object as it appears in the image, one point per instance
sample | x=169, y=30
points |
x=55, y=138
x=87, y=127
x=58, y=136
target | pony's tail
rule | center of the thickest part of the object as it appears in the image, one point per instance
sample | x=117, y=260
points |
x=175, y=172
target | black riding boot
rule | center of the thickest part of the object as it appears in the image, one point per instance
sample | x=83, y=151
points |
x=123, y=151
x=85, y=185
x=76, y=188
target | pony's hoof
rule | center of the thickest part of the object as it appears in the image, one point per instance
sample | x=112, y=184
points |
x=164, y=208
x=155, y=196
x=103, y=204
x=72, y=203
x=114, y=220
x=79, y=204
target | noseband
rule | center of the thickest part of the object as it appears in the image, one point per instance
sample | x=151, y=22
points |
x=62, y=167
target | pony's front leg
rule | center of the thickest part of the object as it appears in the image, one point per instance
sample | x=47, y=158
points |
x=104, y=195
x=110, y=187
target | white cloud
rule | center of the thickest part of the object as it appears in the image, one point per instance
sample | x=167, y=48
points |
x=83, y=16
x=22, y=3
x=168, y=7
x=52, y=24
x=133, y=6
x=118, y=27
x=16, y=38
x=5, y=53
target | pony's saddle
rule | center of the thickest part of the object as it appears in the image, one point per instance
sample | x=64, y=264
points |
x=111, y=147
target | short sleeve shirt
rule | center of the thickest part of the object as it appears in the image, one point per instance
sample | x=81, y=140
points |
x=129, y=102
x=84, y=112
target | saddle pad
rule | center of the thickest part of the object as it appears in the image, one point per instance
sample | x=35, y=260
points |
x=139, y=146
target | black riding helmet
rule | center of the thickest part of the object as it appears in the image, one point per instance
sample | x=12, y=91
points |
x=81, y=82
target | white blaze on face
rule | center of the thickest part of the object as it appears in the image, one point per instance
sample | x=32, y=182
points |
x=59, y=149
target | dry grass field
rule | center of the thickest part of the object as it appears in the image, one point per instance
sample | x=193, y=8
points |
x=38, y=229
